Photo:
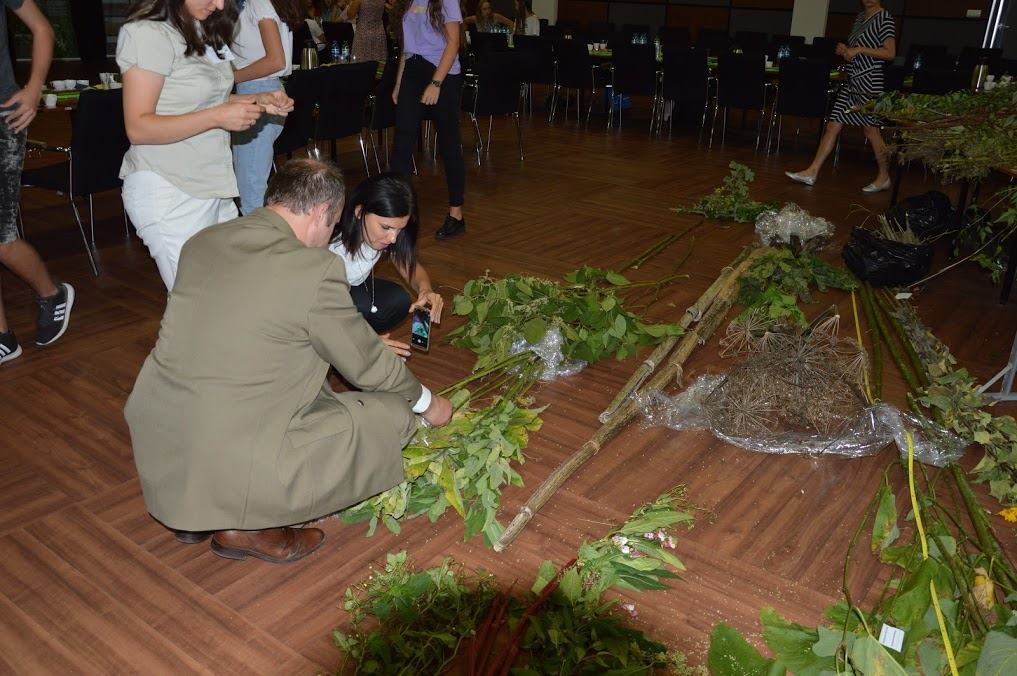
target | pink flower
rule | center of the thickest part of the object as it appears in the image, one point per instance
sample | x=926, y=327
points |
x=631, y=608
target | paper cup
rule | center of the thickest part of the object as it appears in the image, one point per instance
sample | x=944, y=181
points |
x=57, y=85
x=51, y=100
x=69, y=84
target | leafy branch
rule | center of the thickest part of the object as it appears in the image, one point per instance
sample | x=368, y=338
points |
x=731, y=201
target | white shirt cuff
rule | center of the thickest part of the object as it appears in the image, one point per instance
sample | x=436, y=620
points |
x=424, y=401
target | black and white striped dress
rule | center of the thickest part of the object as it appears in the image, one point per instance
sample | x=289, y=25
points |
x=865, y=73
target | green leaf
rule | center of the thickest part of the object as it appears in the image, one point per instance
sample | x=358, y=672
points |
x=571, y=585
x=534, y=330
x=871, y=659
x=999, y=655
x=884, y=529
x=615, y=278
x=731, y=655
x=448, y=482
x=792, y=644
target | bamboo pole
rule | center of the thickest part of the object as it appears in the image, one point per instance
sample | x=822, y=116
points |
x=693, y=314
x=659, y=246
x=718, y=309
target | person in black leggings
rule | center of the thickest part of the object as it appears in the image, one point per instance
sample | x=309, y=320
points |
x=380, y=219
x=430, y=75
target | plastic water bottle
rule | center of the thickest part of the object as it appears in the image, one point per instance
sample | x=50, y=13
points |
x=335, y=51
x=346, y=53
x=656, y=47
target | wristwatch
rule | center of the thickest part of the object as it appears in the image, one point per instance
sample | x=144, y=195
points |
x=436, y=83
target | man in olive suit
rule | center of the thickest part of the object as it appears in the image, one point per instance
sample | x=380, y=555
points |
x=236, y=432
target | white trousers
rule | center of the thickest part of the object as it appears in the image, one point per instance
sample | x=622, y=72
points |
x=165, y=217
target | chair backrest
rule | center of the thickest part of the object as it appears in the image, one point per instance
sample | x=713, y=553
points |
x=686, y=74
x=498, y=79
x=676, y=36
x=338, y=32
x=575, y=66
x=939, y=81
x=803, y=88
x=635, y=69
x=344, y=91
x=302, y=86
x=567, y=27
x=301, y=37
x=740, y=80
x=383, y=112
x=98, y=142
x=751, y=41
x=715, y=41
x=538, y=51
x=935, y=57
x=482, y=43
x=600, y=31
x=972, y=56
x=893, y=77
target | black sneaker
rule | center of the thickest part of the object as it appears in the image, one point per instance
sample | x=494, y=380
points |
x=54, y=315
x=9, y=348
x=451, y=228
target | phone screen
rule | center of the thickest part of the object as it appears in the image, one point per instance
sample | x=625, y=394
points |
x=420, y=330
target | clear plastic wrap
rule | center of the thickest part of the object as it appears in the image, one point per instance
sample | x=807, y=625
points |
x=793, y=226
x=866, y=432
x=549, y=350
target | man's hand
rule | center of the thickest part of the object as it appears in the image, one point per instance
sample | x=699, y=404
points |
x=23, y=107
x=401, y=349
x=439, y=412
x=432, y=301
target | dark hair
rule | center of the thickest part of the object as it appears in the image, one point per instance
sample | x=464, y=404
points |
x=291, y=12
x=217, y=31
x=301, y=184
x=435, y=14
x=389, y=195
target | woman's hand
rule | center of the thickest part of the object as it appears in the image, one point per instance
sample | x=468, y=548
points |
x=840, y=49
x=238, y=115
x=401, y=349
x=851, y=52
x=430, y=95
x=431, y=300
x=275, y=103
x=395, y=94
x=23, y=107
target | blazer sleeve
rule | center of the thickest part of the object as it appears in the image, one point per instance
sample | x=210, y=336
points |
x=343, y=338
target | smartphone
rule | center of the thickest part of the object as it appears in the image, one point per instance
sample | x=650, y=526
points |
x=420, y=329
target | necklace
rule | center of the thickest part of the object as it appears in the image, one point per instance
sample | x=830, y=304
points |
x=374, y=308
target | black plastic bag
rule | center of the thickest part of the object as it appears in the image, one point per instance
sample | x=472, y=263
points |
x=927, y=215
x=883, y=262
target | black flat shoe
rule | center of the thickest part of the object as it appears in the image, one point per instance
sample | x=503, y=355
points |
x=452, y=227
x=191, y=537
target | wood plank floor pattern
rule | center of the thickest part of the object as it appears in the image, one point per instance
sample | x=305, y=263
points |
x=89, y=583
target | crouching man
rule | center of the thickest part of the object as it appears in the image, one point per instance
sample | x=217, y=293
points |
x=236, y=432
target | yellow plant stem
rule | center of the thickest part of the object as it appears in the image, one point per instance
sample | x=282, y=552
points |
x=858, y=335
x=925, y=555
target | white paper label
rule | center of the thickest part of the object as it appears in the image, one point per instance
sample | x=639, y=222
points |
x=891, y=637
x=974, y=14
x=903, y=295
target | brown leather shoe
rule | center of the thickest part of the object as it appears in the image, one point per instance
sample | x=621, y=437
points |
x=275, y=545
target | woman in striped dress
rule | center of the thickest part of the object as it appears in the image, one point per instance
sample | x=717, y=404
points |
x=872, y=41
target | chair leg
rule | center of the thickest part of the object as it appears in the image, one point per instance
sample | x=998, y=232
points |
x=374, y=149
x=519, y=136
x=91, y=219
x=554, y=101
x=478, y=138
x=759, y=128
x=21, y=222
x=723, y=130
x=490, y=129
x=713, y=124
x=363, y=152
x=84, y=238
x=127, y=225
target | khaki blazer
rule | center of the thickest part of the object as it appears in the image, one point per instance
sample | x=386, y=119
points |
x=232, y=420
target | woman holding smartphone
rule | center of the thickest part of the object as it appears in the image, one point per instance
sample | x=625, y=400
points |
x=179, y=112
x=429, y=75
x=380, y=219
x=264, y=49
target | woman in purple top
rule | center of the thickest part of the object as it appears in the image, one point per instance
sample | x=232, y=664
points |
x=429, y=75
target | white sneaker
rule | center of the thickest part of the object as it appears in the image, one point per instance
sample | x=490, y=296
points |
x=878, y=187
x=800, y=178
x=9, y=347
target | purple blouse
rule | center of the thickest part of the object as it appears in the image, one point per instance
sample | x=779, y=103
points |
x=419, y=36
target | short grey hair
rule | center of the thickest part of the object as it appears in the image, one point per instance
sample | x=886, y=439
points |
x=301, y=184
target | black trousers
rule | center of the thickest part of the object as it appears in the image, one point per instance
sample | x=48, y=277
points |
x=391, y=300
x=417, y=74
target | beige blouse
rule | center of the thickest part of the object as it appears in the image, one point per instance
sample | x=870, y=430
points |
x=202, y=165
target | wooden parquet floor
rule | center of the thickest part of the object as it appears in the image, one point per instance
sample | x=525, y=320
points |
x=89, y=583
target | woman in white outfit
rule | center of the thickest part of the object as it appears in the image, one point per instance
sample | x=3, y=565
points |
x=178, y=111
x=264, y=51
